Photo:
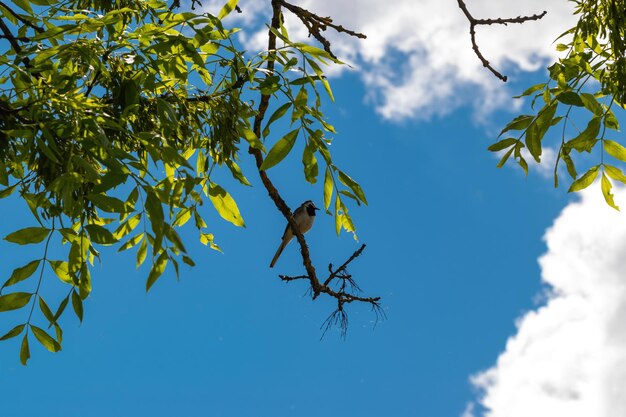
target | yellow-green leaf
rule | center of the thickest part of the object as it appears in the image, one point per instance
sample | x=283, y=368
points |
x=157, y=270
x=606, y=186
x=77, y=305
x=227, y=8
x=21, y=273
x=24, y=350
x=225, y=205
x=61, y=269
x=615, y=150
x=13, y=332
x=14, y=301
x=280, y=149
x=328, y=188
x=45, y=339
x=28, y=235
x=141, y=252
x=584, y=181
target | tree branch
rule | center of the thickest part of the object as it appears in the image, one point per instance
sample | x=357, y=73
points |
x=499, y=21
x=317, y=24
x=22, y=19
x=342, y=295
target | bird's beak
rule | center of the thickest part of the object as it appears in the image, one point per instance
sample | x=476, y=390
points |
x=315, y=208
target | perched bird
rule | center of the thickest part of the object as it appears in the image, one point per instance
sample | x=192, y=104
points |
x=304, y=217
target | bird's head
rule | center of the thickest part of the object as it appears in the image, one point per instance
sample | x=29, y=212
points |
x=310, y=207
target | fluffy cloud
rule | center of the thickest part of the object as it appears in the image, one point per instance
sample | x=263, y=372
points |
x=568, y=357
x=417, y=61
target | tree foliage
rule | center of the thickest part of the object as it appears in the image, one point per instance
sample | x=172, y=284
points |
x=589, y=84
x=114, y=117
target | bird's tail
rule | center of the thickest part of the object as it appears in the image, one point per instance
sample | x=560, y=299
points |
x=278, y=252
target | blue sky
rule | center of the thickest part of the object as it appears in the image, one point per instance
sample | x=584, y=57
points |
x=452, y=249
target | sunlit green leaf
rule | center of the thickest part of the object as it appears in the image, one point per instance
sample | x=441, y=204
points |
x=584, y=181
x=13, y=332
x=28, y=235
x=225, y=205
x=23, y=272
x=157, y=270
x=280, y=150
x=14, y=301
x=45, y=339
x=77, y=305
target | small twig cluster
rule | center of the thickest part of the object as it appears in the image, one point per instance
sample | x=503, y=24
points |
x=317, y=24
x=344, y=289
x=499, y=21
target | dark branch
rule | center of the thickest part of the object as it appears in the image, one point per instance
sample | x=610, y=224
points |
x=499, y=21
x=341, y=295
x=317, y=24
x=22, y=19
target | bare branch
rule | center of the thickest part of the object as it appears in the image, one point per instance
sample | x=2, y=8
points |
x=317, y=24
x=499, y=21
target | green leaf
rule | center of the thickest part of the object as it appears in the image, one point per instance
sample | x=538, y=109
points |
x=14, y=301
x=207, y=239
x=24, y=350
x=328, y=188
x=157, y=270
x=531, y=90
x=280, y=150
x=107, y=203
x=45, y=310
x=61, y=270
x=310, y=162
x=606, y=191
x=99, y=234
x=21, y=273
x=7, y=191
x=228, y=7
x=29, y=235
x=503, y=144
x=353, y=185
x=590, y=102
x=225, y=205
x=77, y=305
x=570, y=98
x=141, y=253
x=615, y=173
x=586, y=140
x=610, y=121
x=615, y=150
x=13, y=332
x=569, y=164
x=45, y=339
x=519, y=123
x=505, y=157
x=584, y=181
x=252, y=139
x=188, y=260
x=280, y=112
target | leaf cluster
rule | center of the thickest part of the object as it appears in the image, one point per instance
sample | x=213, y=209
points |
x=587, y=84
x=115, y=116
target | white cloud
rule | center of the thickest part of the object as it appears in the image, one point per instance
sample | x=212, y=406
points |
x=417, y=61
x=568, y=357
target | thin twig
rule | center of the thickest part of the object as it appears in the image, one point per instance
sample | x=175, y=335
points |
x=317, y=24
x=499, y=21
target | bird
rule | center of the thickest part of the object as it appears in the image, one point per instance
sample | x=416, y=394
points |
x=304, y=217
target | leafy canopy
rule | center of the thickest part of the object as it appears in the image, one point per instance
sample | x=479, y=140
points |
x=589, y=83
x=114, y=117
